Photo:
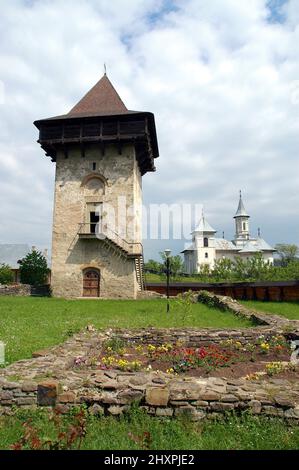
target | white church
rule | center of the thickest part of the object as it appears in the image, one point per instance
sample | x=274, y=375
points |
x=206, y=248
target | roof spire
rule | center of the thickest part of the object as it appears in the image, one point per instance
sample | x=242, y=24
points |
x=105, y=69
x=259, y=232
x=241, y=212
x=203, y=225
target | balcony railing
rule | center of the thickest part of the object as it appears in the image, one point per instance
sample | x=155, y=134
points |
x=102, y=232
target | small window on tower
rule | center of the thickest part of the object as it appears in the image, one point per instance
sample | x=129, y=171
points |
x=206, y=242
x=206, y=255
x=94, y=220
x=94, y=166
x=244, y=226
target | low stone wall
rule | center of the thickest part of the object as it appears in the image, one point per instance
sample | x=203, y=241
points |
x=275, y=323
x=158, y=394
x=192, y=337
x=15, y=290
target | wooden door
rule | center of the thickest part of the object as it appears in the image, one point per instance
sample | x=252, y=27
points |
x=91, y=283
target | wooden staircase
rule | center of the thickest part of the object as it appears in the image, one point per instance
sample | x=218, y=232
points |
x=139, y=268
x=113, y=242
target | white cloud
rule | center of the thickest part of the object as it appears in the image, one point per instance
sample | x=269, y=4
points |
x=218, y=76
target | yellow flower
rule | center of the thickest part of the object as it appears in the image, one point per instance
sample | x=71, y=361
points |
x=275, y=367
x=254, y=376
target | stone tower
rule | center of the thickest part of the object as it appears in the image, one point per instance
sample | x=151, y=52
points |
x=242, y=223
x=101, y=150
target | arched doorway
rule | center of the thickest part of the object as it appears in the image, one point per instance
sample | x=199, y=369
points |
x=91, y=283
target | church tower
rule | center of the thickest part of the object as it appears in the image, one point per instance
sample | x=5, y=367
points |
x=242, y=223
x=101, y=150
x=203, y=238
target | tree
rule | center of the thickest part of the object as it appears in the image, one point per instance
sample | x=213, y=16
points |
x=223, y=269
x=287, y=252
x=176, y=264
x=6, y=274
x=153, y=266
x=204, y=273
x=34, y=269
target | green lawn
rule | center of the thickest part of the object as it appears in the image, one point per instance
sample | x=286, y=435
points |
x=28, y=324
x=109, y=433
x=289, y=310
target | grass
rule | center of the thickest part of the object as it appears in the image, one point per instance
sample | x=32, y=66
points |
x=288, y=310
x=245, y=432
x=28, y=324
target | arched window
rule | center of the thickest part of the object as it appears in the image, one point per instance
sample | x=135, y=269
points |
x=206, y=242
x=94, y=185
x=244, y=225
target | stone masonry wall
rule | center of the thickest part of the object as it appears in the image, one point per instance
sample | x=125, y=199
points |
x=15, y=290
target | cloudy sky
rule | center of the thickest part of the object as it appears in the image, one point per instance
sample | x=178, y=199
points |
x=221, y=76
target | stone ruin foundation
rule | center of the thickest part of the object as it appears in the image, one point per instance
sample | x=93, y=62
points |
x=49, y=378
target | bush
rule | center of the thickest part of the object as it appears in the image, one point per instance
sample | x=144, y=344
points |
x=34, y=269
x=6, y=274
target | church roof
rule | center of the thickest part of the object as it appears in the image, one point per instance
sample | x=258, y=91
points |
x=191, y=247
x=222, y=244
x=255, y=246
x=204, y=226
x=263, y=245
x=241, y=212
x=250, y=247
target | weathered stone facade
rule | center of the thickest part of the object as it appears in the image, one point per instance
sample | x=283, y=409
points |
x=71, y=255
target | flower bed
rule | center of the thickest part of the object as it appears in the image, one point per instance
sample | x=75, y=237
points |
x=230, y=358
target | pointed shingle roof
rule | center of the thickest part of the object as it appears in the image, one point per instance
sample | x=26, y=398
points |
x=241, y=212
x=204, y=226
x=101, y=99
